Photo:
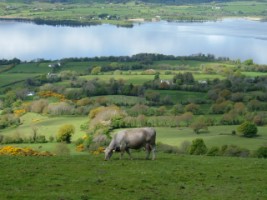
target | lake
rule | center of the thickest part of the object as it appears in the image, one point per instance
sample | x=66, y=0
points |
x=234, y=38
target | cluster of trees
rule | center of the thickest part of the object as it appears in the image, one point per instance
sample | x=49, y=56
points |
x=147, y=58
x=8, y=62
x=7, y=120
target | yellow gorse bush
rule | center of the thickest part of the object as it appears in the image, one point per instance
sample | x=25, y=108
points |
x=80, y=148
x=46, y=94
x=19, y=112
x=17, y=151
x=98, y=151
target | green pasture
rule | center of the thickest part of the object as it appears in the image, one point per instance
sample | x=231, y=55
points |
x=122, y=99
x=254, y=74
x=38, y=68
x=134, y=78
x=168, y=177
x=8, y=78
x=83, y=66
x=216, y=136
x=246, y=7
x=45, y=125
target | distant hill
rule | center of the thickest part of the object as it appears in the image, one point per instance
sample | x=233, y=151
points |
x=171, y=2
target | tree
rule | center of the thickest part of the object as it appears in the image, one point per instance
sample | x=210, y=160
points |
x=198, y=124
x=152, y=96
x=65, y=132
x=248, y=129
x=192, y=107
x=187, y=118
x=248, y=62
x=240, y=108
x=177, y=109
x=254, y=105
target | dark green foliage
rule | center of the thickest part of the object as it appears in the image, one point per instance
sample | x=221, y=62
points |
x=8, y=120
x=248, y=62
x=213, y=151
x=247, y=129
x=261, y=152
x=235, y=151
x=198, y=147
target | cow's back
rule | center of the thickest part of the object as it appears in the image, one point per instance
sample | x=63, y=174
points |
x=138, y=137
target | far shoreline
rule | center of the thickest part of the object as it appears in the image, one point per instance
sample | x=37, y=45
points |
x=127, y=24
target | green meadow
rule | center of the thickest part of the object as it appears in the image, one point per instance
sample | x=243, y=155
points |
x=168, y=177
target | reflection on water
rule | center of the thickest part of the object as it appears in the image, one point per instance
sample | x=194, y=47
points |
x=236, y=39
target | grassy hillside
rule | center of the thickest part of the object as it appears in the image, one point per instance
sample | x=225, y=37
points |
x=168, y=177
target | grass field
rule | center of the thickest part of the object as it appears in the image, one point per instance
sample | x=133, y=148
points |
x=216, y=136
x=169, y=177
x=8, y=78
x=46, y=125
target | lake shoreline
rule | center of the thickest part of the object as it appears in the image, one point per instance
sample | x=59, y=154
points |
x=127, y=24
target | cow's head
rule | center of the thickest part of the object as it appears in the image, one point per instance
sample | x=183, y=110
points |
x=108, y=153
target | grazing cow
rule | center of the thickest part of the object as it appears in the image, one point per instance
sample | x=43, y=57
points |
x=133, y=139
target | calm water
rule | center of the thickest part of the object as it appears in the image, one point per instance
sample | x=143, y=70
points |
x=233, y=38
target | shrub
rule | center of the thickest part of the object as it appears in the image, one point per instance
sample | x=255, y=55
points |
x=40, y=139
x=184, y=147
x=198, y=147
x=247, y=129
x=213, y=151
x=51, y=138
x=79, y=141
x=236, y=151
x=98, y=151
x=65, y=132
x=261, y=152
x=16, y=151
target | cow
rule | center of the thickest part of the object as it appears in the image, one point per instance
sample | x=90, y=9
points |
x=135, y=138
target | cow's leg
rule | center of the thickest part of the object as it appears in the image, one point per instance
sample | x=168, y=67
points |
x=122, y=149
x=129, y=153
x=153, y=149
x=148, y=150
